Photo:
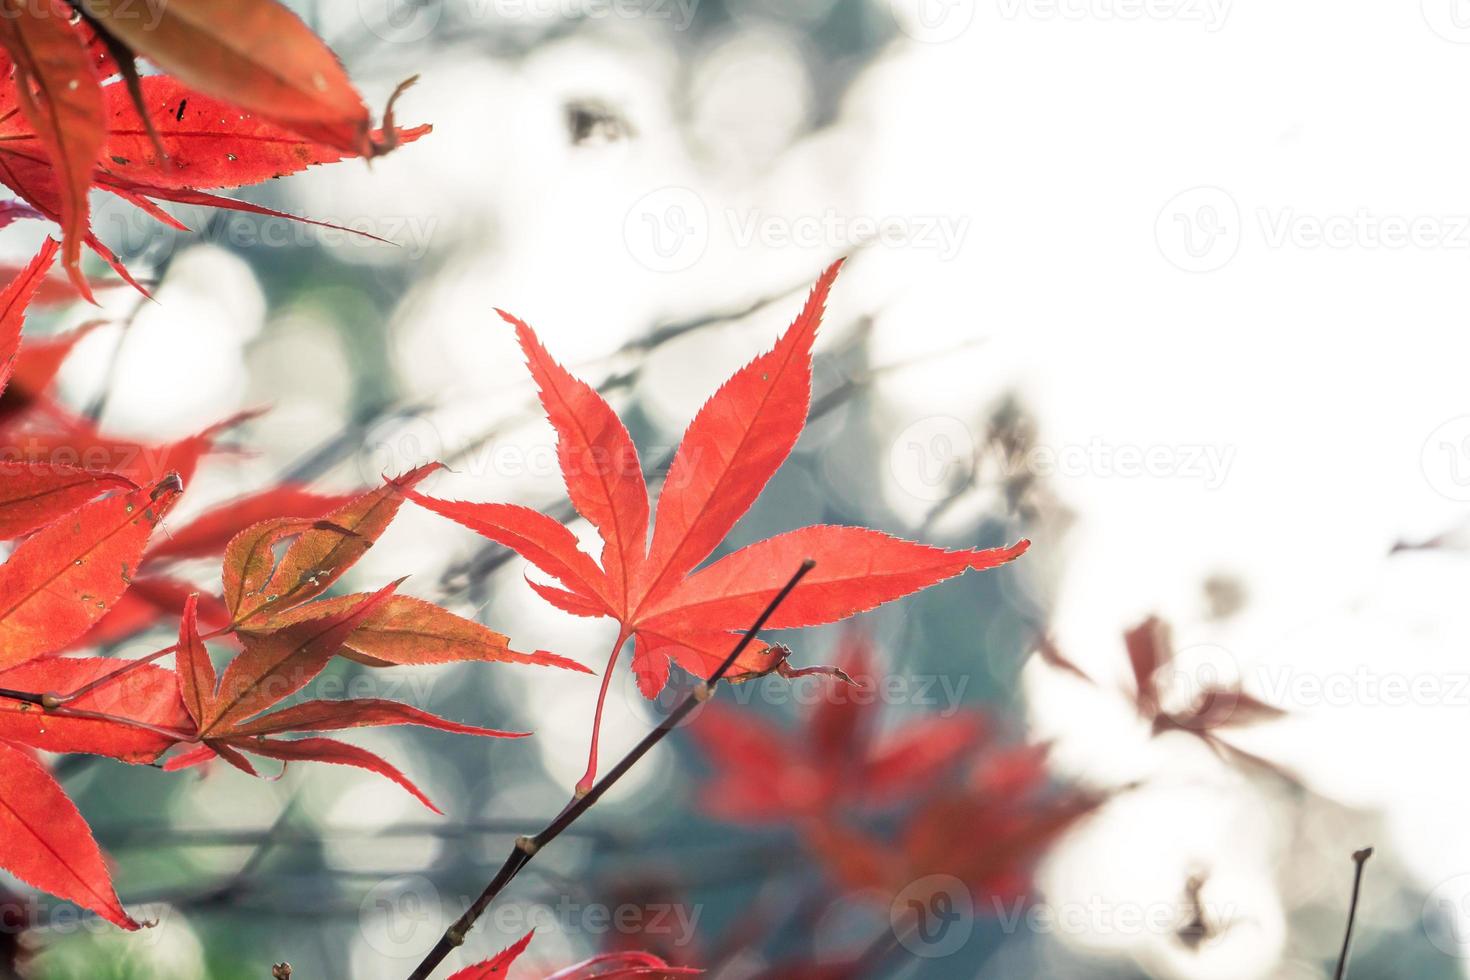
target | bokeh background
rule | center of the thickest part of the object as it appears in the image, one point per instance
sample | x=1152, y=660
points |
x=1175, y=288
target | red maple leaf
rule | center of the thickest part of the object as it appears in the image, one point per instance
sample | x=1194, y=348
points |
x=731, y=450
x=63, y=131
x=607, y=966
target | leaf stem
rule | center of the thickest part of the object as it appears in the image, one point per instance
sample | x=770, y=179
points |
x=527, y=847
x=1360, y=858
x=590, y=776
x=129, y=666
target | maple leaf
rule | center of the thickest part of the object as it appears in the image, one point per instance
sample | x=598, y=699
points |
x=63, y=578
x=60, y=97
x=607, y=966
x=987, y=832
x=47, y=843
x=62, y=132
x=766, y=774
x=208, y=534
x=33, y=495
x=730, y=451
x=255, y=53
x=135, y=718
x=231, y=712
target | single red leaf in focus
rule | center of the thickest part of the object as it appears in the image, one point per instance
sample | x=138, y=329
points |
x=735, y=444
x=47, y=843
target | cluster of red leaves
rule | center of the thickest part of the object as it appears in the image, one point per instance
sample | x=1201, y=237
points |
x=836, y=761
x=250, y=94
x=731, y=450
x=87, y=571
x=607, y=966
x=968, y=811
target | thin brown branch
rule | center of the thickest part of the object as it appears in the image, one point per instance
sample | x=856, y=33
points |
x=1360, y=858
x=526, y=848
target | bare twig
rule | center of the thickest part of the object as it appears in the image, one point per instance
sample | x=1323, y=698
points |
x=1360, y=858
x=526, y=848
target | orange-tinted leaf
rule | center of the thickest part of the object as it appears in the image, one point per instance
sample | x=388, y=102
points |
x=35, y=494
x=145, y=694
x=276, y=665
x=61, y=580
x=61, y=98
x=334, y=716
x=197, y=678
x=209, y=533
x=321, y=553
x=250, y=558
x=405, y=630
x=47, y=843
